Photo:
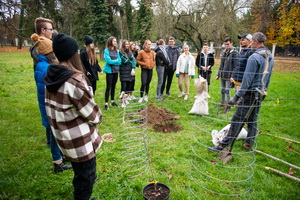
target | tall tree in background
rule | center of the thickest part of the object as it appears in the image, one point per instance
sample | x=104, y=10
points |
x=209, y=20
x=289, y=23
x=9, y=20
x=144, y=20
x=114, y=9
x=164, y=19
x=99, y=22
x=129, y=18
x=20, y=30
x=261, y=14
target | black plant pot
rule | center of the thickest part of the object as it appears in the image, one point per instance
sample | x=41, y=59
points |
x=157, y=191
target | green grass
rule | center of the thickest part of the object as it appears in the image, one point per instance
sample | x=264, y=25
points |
x=26, y=167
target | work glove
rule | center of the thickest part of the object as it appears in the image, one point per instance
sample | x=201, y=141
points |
x=177, y=75
x=193, y=76
x=233, y=100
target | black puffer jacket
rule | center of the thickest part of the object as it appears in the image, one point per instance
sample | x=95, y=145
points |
x=128, y=63
x=160, y=58
x=228, y=64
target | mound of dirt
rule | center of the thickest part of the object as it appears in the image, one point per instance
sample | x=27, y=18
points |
x=160, y=119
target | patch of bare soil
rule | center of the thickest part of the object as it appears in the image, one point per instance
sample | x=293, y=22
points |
x=13, y=49
x=160, y=119
x=156, y=193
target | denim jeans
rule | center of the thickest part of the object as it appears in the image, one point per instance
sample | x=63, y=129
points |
x=55, y=151
x=225, y=90
x=160, y=75
x=84, y=178
x=239, y=119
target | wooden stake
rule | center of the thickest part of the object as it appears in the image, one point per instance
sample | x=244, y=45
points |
x=286, y=139
x=283, y=174
x=274, y=158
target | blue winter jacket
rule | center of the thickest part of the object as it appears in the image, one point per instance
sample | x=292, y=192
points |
x=241, y=64
x=39, y=73
x=254, y=72
x=107, y=67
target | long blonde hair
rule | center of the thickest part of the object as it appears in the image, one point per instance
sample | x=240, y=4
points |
x=92, y=56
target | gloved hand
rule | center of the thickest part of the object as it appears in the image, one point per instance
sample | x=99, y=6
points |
x=193, y=76
x=177, y=75
x=233, y=100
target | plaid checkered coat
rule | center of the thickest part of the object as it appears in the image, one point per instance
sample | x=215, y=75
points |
x=73, y=115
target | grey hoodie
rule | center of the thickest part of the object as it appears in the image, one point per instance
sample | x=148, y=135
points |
x=254, y=72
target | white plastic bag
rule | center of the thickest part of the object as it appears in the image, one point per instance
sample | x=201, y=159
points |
x=132, y=72
x=201, y=99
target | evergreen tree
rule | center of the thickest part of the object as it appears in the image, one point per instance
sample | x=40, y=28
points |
x=128, y=13
x=144, y=20
x=99, y=22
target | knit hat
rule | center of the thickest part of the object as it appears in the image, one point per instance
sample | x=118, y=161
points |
x=43, y=45
x=64, y=46
x=247, y=36
x=88, y=40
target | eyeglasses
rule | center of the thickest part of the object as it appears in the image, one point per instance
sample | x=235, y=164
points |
x=50, y=29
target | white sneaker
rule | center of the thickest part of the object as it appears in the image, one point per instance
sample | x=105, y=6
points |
x=123, y=105
x=129, y=98
x=140, y=100
x=132, y=97
x=186, y=97
x=121, y=95
x=146, y=98
x=181, y=94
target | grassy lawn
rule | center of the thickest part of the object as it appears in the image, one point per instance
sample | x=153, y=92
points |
x=26, y=166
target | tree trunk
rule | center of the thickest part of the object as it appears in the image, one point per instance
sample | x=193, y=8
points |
x=286, y=50
x=20, y=30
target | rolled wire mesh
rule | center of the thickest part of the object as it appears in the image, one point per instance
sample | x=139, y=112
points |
x=134, y=137
x=209, y=176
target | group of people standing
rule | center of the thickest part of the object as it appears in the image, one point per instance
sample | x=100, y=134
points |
x=125, y=60
x=66, y=84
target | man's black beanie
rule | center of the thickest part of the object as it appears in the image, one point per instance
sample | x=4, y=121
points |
x=64, y=46
x=88, y=40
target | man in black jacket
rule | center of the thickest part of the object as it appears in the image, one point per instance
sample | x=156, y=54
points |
x=228, y=64
x=204, y=62
x=173, y=54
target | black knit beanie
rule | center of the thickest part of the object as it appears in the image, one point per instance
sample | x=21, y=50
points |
x=88, y=40
x=64, y=46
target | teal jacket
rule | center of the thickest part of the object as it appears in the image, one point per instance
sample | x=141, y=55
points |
x=108, y=61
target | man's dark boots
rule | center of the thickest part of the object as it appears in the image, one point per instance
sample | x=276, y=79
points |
x=61, y=167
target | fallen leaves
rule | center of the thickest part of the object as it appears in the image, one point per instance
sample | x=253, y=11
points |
x=213, y=161
x=170, y=176
x=291, y=171
x=107, y=137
